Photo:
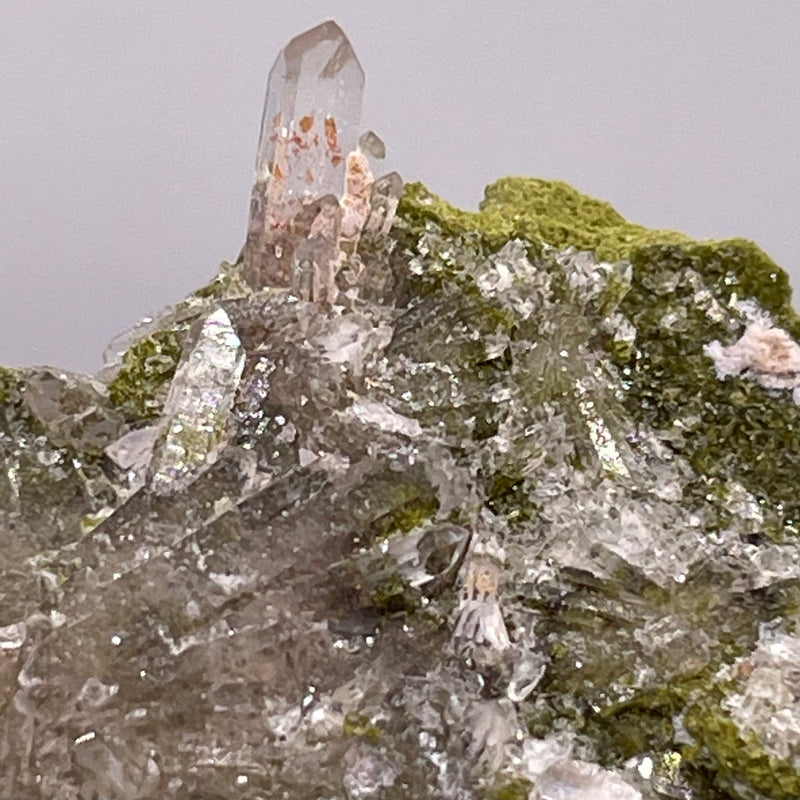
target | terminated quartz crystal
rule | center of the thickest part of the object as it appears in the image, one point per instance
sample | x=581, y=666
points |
x=198, y=405
x=372, y=144
x=310, y=124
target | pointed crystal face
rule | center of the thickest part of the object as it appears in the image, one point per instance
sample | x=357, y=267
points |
x=311, y=114
x=310, y=124
x=198, y=405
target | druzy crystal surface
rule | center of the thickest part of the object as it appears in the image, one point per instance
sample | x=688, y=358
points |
x=472, y=505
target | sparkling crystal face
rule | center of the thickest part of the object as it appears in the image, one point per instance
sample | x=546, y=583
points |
x=311, y=114
x=197, y=408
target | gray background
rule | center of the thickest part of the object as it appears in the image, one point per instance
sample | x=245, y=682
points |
x=128, y=131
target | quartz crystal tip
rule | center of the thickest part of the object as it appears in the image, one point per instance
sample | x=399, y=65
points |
x=312, y=109
x=310, y=123
x=372, y=144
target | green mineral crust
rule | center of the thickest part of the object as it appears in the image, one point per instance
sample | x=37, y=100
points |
x=497, y=504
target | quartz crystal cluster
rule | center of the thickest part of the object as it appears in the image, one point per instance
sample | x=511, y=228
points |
x=412, y=502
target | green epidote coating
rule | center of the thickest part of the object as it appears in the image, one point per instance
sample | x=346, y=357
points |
x=556, y=213
x=539, y=211
x=222, y=283
x=385, y=505
x=723, y=763
x=740, y=428
x=517, y=788
x=140, y=387
x=734, y=757
x=11, y=386
x=393, y=595
x=362, y=727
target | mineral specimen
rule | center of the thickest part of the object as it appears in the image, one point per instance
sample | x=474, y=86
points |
x=457, y=505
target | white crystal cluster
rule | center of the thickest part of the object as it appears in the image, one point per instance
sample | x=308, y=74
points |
x=764, y=353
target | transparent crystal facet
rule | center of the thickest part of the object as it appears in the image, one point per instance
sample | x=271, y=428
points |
x=310, y=124
x=199, y=404
x=370, y=143
x=311, y=112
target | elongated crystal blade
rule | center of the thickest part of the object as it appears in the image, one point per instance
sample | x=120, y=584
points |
x=198, y=405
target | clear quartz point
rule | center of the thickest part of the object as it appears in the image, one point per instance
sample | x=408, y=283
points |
x=372, y=144
x=310, y=123
x=198, y=406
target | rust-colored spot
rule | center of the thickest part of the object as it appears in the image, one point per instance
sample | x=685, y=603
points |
x=336, y=160
x=300, y=142
x=309, y=176
x=306, y=123
x=277, y=172
x=331, y=133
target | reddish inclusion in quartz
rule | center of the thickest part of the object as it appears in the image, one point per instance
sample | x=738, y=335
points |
x=300, y=142
x=311, y=119
x=312, y=113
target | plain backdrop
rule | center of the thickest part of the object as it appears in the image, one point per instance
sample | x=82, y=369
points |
x=128, y=131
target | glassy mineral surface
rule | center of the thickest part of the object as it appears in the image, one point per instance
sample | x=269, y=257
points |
x=514, y=516
x=310, y=123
